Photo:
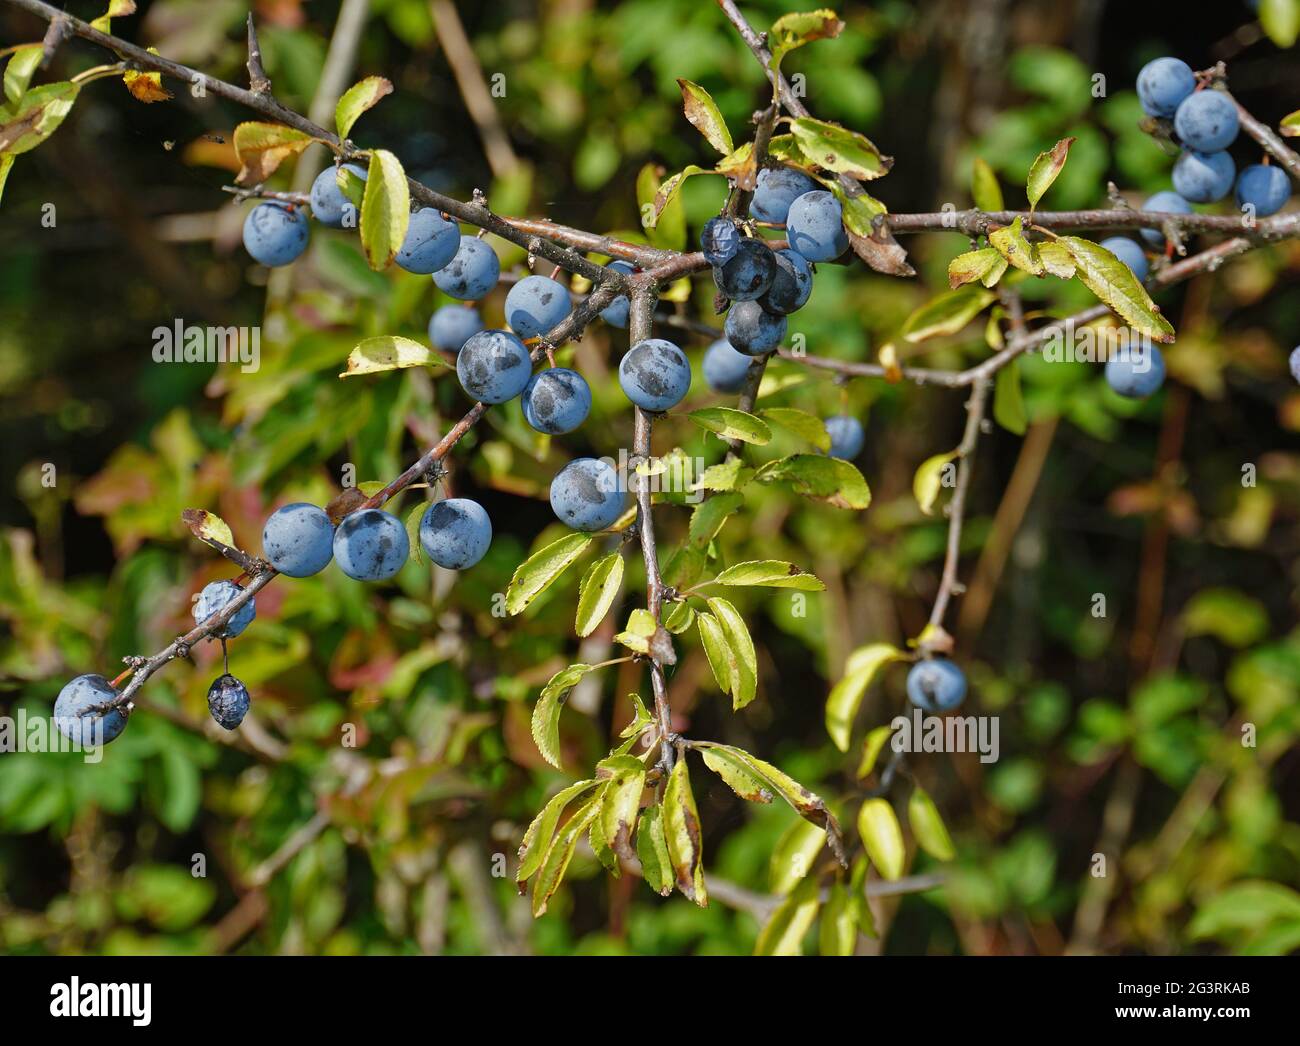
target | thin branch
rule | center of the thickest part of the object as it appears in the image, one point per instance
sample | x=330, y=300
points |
x=975, y=408
x=640, y=321
x=1270, y=141
x=473, y=88
x=258, y=81
x=974, y=222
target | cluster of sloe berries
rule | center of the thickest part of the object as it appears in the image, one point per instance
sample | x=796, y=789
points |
x=765, y=286
x=1206, y=123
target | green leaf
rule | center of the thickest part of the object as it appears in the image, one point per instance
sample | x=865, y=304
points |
x=737, y=776
x=946, y=314
x=538, y=837
x=596, y=840
x=704, y=116
x=806, y=804
x=1010, y=242
x=984, y=188
x=261, y=147
x=709, y=516
x=682, y=835
x=680, y=618
x=1280, y=19
x=597, y=591
x=412, y=523
x=621, y=801
x=838, y=930
x=829, y=480
x=846, y=696
x=741, y=646
x=357, y=99
x=986, y=265
x=22, y=66
x=730, y=423
x=799, y=28
x=536, y=573
x=641, y=718
x=1009, y=400
x=800, y=422
x=794, y=855
x=557, y=859
x=1290, y=125
x=1043, y=171
x=6, y=162
x=1114, y=283
x=641, y=628
x=664, y=226
x=1244, y=907
x=668, y=190
x=389, y=352
x=546, y=713
x=724, y=476
x=652, y=851
x=385, y=209
x=784, y=931
x=1228, y=614
x=872, y=748
x=928, y=827
x=714, y=641
x=838, y=149
x=770, y=573
x=929, y=479
x=36, y=116
x=883, y=838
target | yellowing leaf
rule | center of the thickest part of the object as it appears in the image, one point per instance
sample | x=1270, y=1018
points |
x=546, y=713
x=36, y=116
x=357, y=99
x=652, y=851
x=741, y=647
x=207, y=526
x=737, y=776
x=1114, y=283
x=790, y=921
x=730, y=423
x=145, y=87
x=261, y=148
x=1056, y=259
x=976, y=265
x=770, y=573
x=682, y=836
x=557, y=859
x=702, y=112
x=838, y=149
x=621, y=801
x=801, y=423
x=929, y=479
x=22, y=66
x=846, y=696
x=537, y=839
x=538, y=571
x=389, y=352
x=947, y=313
x=831, y=480
x=1010, y=242
x=871, y=749
x=799, y=28
x=1043, y=171
x=385, y=209
x=116, y=9
x=928, y=827
x=883, y=838
x=838, y=929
